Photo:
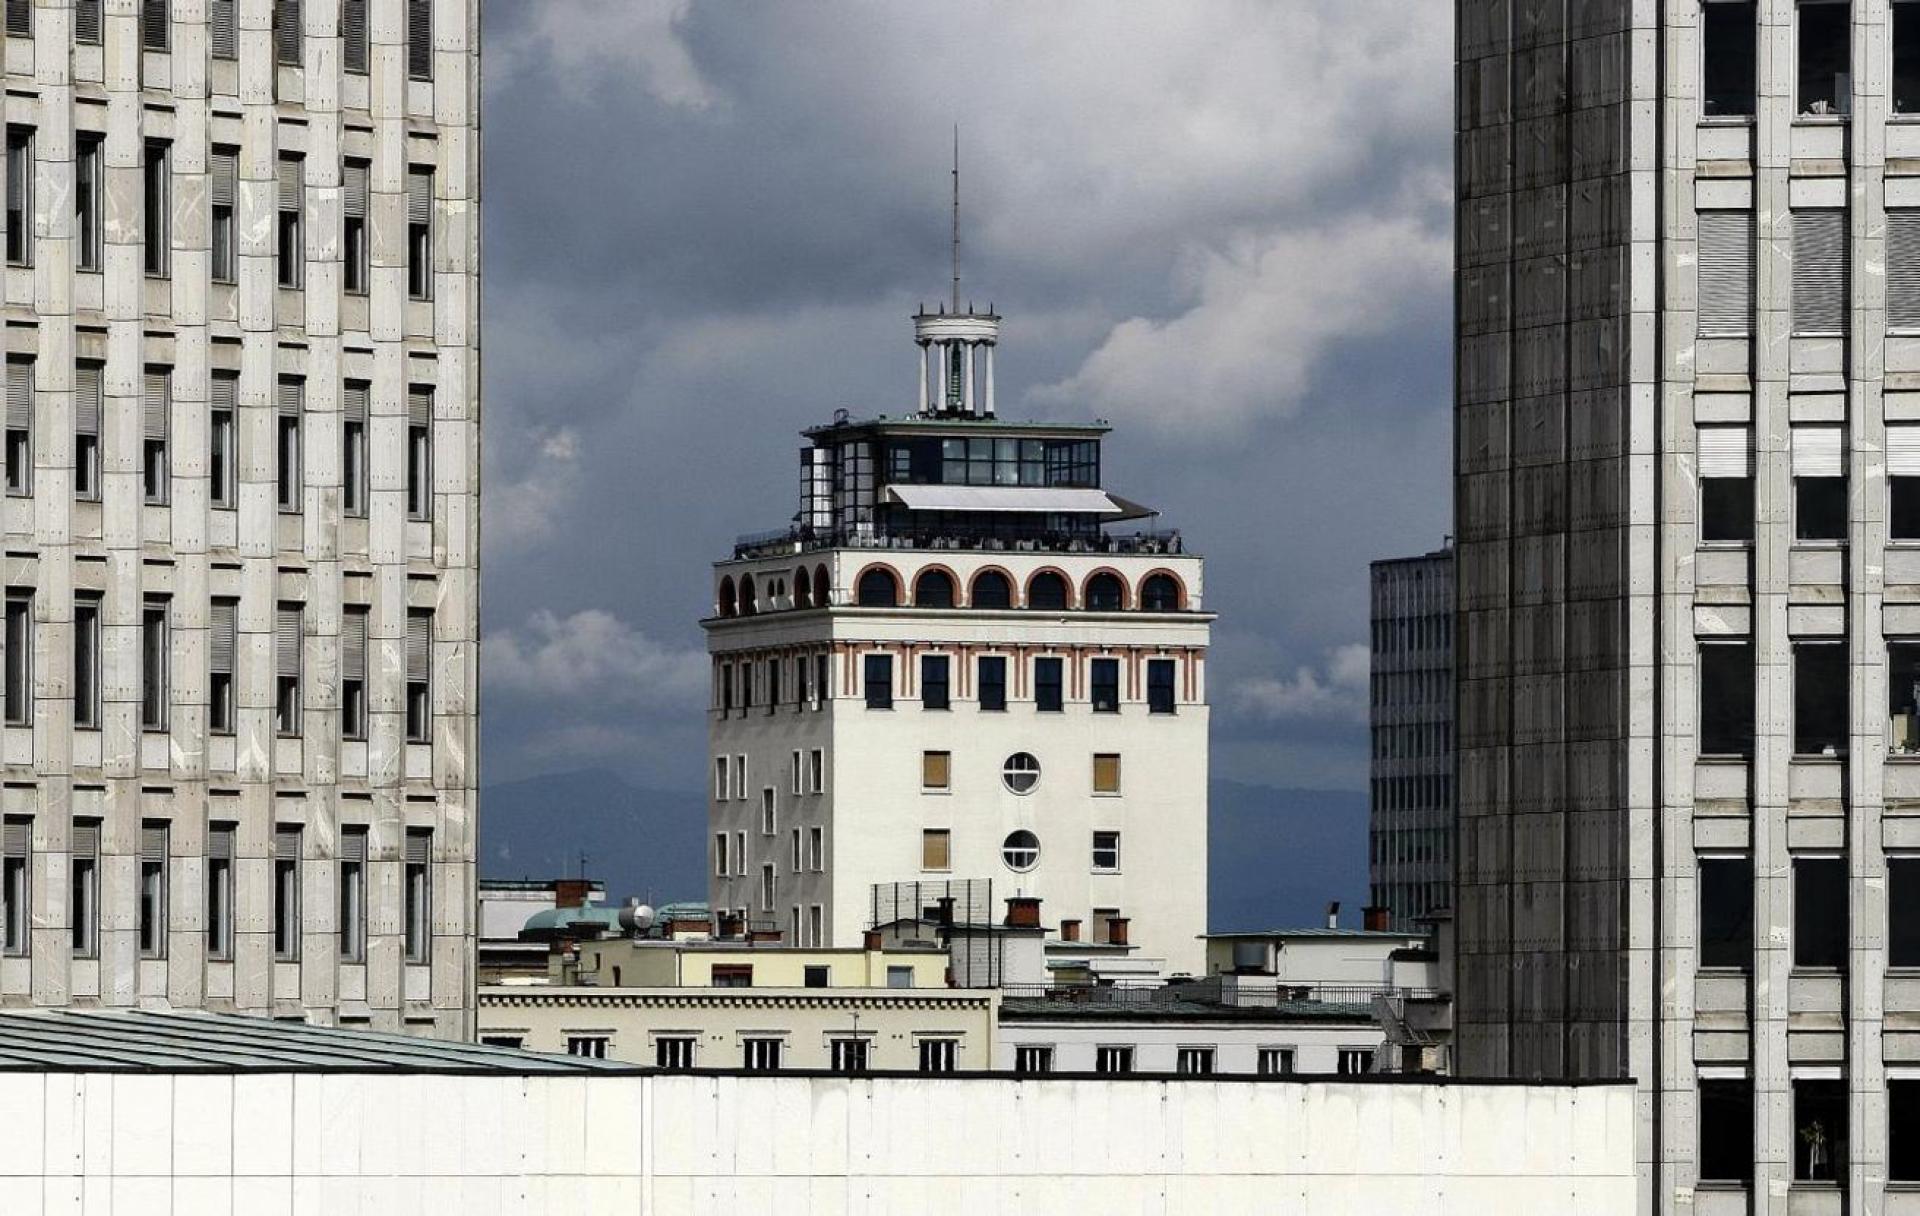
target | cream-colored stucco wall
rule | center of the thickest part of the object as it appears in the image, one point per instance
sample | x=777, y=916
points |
x=690, y=965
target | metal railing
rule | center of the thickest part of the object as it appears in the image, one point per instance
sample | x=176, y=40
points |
x=801, y=539
x=1212, y=990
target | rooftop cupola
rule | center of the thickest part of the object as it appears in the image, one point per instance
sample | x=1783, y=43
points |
x=956, y=348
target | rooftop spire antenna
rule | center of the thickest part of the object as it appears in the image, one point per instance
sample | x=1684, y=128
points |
x=956, y=217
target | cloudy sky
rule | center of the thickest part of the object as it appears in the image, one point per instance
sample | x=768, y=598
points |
x=1222, y=226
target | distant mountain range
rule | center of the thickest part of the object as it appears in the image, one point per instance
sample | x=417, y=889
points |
x=1277, y=855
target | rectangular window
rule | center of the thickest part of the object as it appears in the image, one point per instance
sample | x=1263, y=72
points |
x=1160, y=698
x=223, y=29
x=19, y=658
x=936, y=851
x=287, y=417
x=1275, y=1062
x=156, y=205
x=87, y=402
x=89, y=200
x=286, y=894
x=353, y=671
x=1354, y=1061
x=353, y=35
x=1726, y=1129
x=1048, y=693
x=773, y=684
x=1106, y=773
x=936, y=770
x=155, y=28
x=993, y=683
x=1726, y=912
x=795, y=782
x=769, y=888
x=419, y=675
x=816, y=848
x=223, y=642
x=353, y=190
x=1906, y=57
x=16, y=854
x=817, y=771
x=938, y=1055
x=820, y=690
x=154, y=664
x=1819, y=1130
x=420, y=459
x=417, y=888
x=672, y=1051
x=86, y=663
x=1729, y=49
x=1826, y=75
x=933, y=682
x=1032, y=1060
x=87, y=21
x=220, y=891
x=1903, y=243
x=1106, y=686
x=286, y=33
x=1819, y=483
x=156, y=404
x=19, y=196
x=290, y=250
x=1819, y=698
x=588, y=1046
x=732, y=975
x=720, y=869
x=816, y=924
x=19, y=425
x=1725, y=456
x=83, y=889
x=761, y=1055
x=849, y=1055
x=1903, y=911
x=814, y=976
x=420, y=233
x=1726, y=267
x=224, y=170
x=1820, y=271
x=352, y=876
x=223, y=463
x=878, y=669
x=1194, y=1062
x=1903, y=1118
x=767, y=826
x=289, y=634
x=739, y=776
x=1820, y=912
x=420, y=39
x=1113, y=1060
x=1726, y=698
x=1106, y=851
x=353, y=442
x=19, y=18
x=793, y=853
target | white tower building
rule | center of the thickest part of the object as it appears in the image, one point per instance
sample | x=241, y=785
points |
x=949, y=672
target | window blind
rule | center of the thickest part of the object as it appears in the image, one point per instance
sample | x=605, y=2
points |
x=1903, y=268
x=225, y=169
x=353, y=31
x=86, y=839
x=286, y=843
x=419, y=645
x=353, y=644
x=153, y=24
x=353, y=844
x=419, y=196
x=220, y=843
x=353, y=187
x=18, y=837
x=286, y=640
x=153, y=404
x=292, y=395
x=224, y=30
x=287, y=31
x=226, y=391
x=86, y=399
x=224, y=639
x=1903, y=451
x=19, y=395
x=86, y=20
x=1725, y=451
x=420, y=39
x=353, y=401
x=419, y=847
x=17, y=182
x=153, y=842
x=419, y=406
x=1819, y=272
x=1726, y=274
x=1818, y=451
x=292, y=170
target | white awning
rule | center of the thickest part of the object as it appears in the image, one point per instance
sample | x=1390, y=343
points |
x=1032, y=499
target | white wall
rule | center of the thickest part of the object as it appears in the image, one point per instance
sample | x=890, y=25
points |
x=273, y=1144
x=1156, y=1045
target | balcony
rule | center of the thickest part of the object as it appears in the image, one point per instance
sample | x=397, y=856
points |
x=805, y=540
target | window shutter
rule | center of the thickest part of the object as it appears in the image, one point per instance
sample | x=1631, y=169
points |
x=353, y=402
x=1818, y=451
x=226, y=391
x=353, y=30
x=353, y=844
x=419, y=645
x=226, y=177
x=292, y=395
x=224, y=34
x=1725, y=451
x=1903, y=451
x=153, y=842
x=86, y=839
x=419, y=847
x=286, y=641
x=1903, y=268
x=19, y=395
x=220, y=844
x=18, y=838
x=1819, y=272
x=420, y=39
x=86, y=20
x=419, y=407
x=287, y=31
x=291, y=171
x=353, y=180
x=221, y=646
x=153, y=405
x=419, y=196
x=353, y=644
x=86, y=399
x=153, y=24
x=1726, y=274
x=286, y=843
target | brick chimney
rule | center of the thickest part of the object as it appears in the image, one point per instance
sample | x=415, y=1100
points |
x=1070, y=930
x=1374, y=918
x=1023, y=912
x=571, y=892
x=1116, y=930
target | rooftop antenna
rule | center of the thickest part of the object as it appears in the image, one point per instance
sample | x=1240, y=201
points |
x=956, y=217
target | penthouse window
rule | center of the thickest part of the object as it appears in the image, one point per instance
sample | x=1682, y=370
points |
x=984, y=461
x=1825, y=69
x=1819, y=698
x=1726, y=698
x=1728, y=54
x=1819, y=483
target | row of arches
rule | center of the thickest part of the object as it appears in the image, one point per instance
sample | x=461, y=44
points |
x=745, y=598
x=880, y=586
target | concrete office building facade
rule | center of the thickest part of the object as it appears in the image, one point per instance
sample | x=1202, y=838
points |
x=1687, y=361
x=241, y=514
x=1410, y=700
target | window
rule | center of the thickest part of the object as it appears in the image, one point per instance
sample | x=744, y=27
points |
x=287, y=480
x=739, y=776
x=814, y=976
x=879, y=680
x=1819, y=698
x=761, y=1055
x=766, y=811
x=155, y=406
x=936, y=849
x=19, y=658
x=899, y=977
x=816, y=848
x=1113, y=1060
x=353, y=191
x=157, y=203
x=936, y=770
x=720, y=869
x=1826, y=77
x=20, y=196
x=1820, y=1129
x=1106, y=850
x=1106, y=686
x=420, y=462
x=993, y=683
x=1276, y=1061
x=86, y=21
x=1160, y=686
x=220, y=890
x=1105, y=593
x=289, y=629
x=673, y=1051
x=1820, y=270
x=224, y=169
x=89, y=195
x=795, y=852
x=1726, y=912
x=420, y=233
x=154, y=29
x=1726, y=698
x=1048, y=695
x=1020, y=851
x=223, y=33
x=1906, y=57
x=732, y=975
x=1194, y=1062
x=588, y=1046
x=937, y=1055
x=19, y=426
x=83, y=889
x=417, y=886
x=1819, y=483
x=19, y=18
x=1726, y=1129
x=769, y=889
x=86, y=663
x=740, y=858
x=773, y=684
x=1727, y=59
x=420, y=39
x=1106, y=773
x=153, y=664
x=990, y=590
x=1726, y=266
x=933, y=589
x=353, y=456
x=1047, y=592
x=878, y=589
x=1021, y=772
x=933, y=682
x=1032, y=1060
x=290, y=251
x=419, y=675
x=352, y=875
x=286, y=33
x=1354, y=1061
x=16, y=850
x=223, y=464
x=1903, y=1112
x=286, y=894
x=1903, y=911
x=222, y=642
x=794, y=782
x=816, y=771
x=353, y=671
x=87, y=390
x=1819, y=912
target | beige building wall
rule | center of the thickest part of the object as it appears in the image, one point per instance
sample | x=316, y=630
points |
x=645, y=964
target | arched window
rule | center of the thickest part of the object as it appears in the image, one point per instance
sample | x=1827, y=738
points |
x=822, y=588
x=1047, y=592
x=1105, y=593
x=802, y=589
x=1160, y=593
x=728, y=605
x=879, y=589
x=933, y=589
x=991, y=590
x=747, y=597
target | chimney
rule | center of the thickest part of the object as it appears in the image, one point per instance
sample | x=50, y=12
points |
x=571, y=892
x=1374, y=918
x=1333, y=914
x=1070, y=930
x=1116, y=930
x=1023, y=912
x=871, y=940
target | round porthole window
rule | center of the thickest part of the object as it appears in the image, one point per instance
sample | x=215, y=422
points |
x=1020, y=850
x=1021, y=772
